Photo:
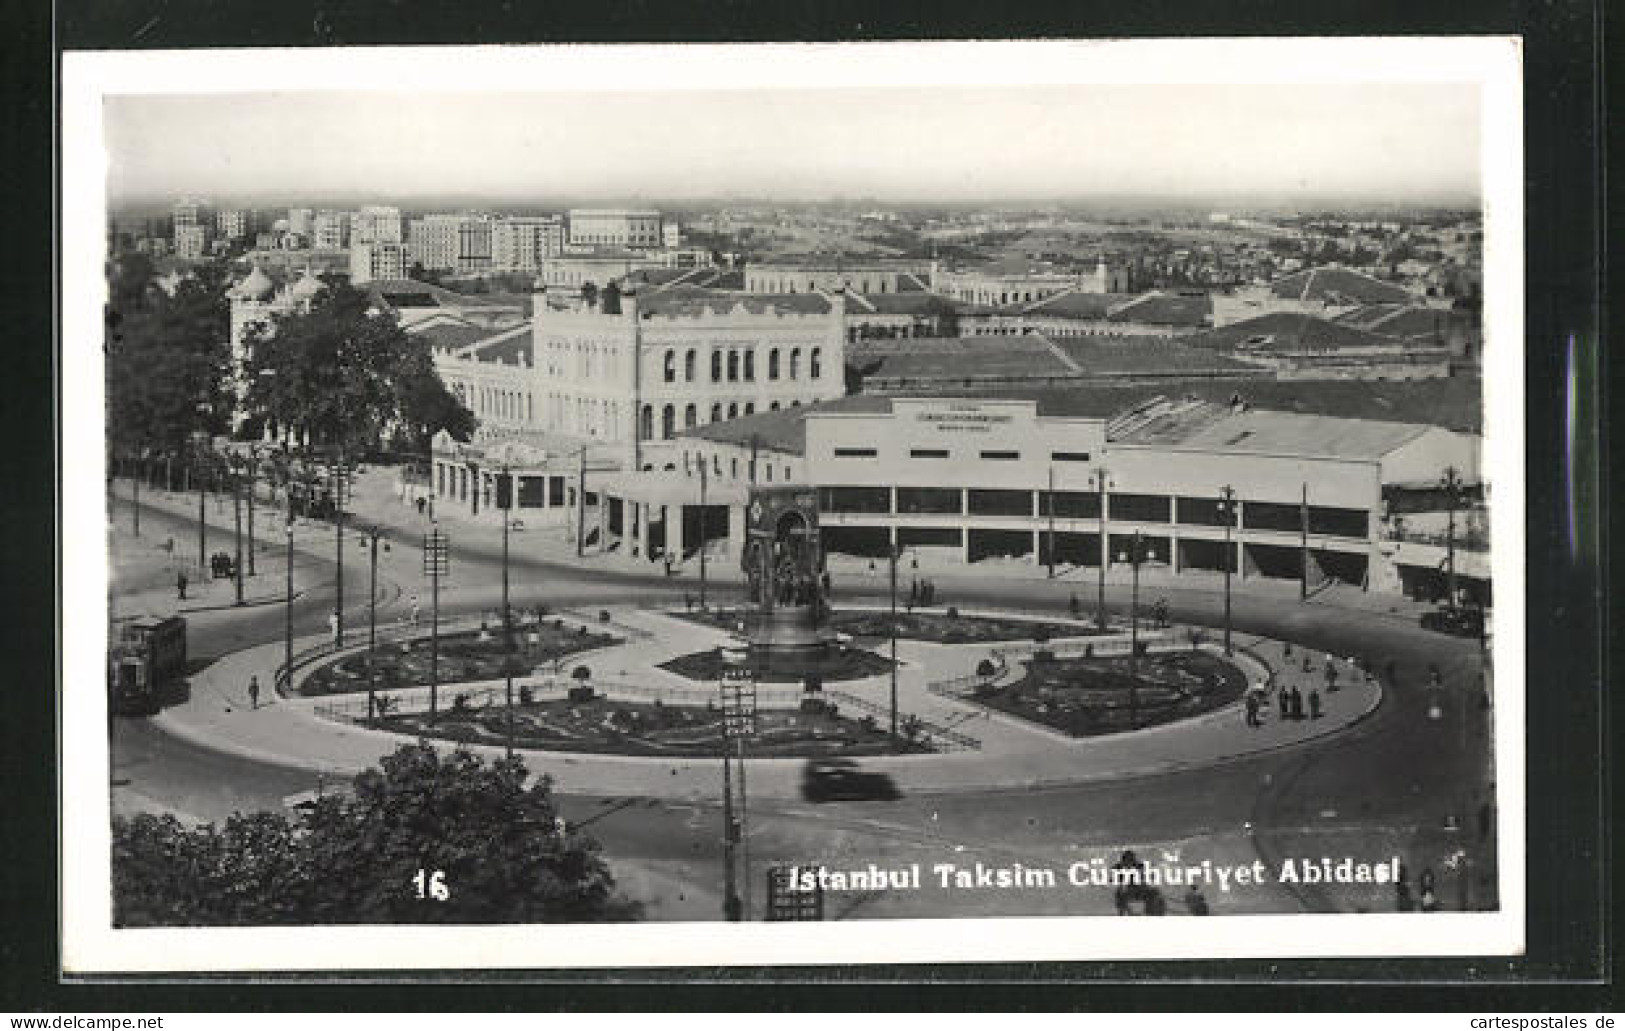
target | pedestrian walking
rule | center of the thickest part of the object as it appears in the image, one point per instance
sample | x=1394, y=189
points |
x=1314, y=705
x=333, y=626
x=1284, y=699
x=180, y=586
x=412, y=613
x=1426, y=893
x=1297, y=704
x=1196, y=902
x=253, y=692
x=1252, y=710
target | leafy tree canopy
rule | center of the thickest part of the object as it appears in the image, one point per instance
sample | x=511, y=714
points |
x=354, y=858
x=350, y=376
x=168, y=356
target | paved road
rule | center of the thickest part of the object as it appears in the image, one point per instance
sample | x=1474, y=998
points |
x=1379, y=788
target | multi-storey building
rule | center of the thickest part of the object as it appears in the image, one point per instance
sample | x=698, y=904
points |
x=380, y=260
x=474, y=245
x=233, y=223
x=329, y=230
x=300, y=221
x=519, y=244
x=1017, y=281
x=191, y=241
x=631, y=376
x=435, y=241
x=791, y=275
x=376, y=224
x=615, y=227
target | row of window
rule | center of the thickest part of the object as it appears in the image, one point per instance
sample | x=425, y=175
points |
x=695, y=464
x=691, y=416
x=986, y=456
x=1142, y=508
x=734, y=365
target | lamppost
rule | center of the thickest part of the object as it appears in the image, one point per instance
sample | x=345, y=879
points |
x=371, y=543
x=287, y=621
x=1098, y=479
x=237, y=536
x=199, y=450
x=505, y=487
x=892, y=625
x=1450, y=483
x=1139, y=551
x=705, y=525
x=338, y=482
x=1227, y=510
x=253, y=483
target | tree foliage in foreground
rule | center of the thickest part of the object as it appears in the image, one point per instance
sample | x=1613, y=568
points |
x=354, y=858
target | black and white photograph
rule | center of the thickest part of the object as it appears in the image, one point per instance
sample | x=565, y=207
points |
x=910, y=502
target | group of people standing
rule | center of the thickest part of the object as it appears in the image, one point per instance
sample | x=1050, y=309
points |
x=1292, y=703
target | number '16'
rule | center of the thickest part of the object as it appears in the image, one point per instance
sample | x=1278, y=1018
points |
x=432, y=885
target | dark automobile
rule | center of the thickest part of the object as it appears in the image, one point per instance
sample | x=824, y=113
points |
x=1456, y=622
x=824, y=780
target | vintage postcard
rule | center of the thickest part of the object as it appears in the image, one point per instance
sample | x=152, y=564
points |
x=563, y=507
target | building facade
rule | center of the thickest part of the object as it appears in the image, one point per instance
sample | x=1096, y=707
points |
x=519, y=244
x=329, y=230
x=615, y=227
x=872, y=277
x=374, y=261
x=376, y=224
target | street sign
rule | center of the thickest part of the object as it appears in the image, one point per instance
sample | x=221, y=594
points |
x=787, y=900
x=436, y=554
x=738, y=702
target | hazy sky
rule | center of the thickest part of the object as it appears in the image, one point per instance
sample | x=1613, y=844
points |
x=1372, y=142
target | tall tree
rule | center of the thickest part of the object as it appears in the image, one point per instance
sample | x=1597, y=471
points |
x=168, y=355
x=489, y=831
x=349, y=376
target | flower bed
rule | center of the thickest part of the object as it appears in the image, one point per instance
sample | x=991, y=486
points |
x=1085, y=697
x=614, y=727
x=464, y=657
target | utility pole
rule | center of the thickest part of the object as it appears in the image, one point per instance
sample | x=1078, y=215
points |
x=338, y=539
x=202, y=525
x=1227, y=507
x=1303, y=545
x=1051, y=497
x=893, y=627
x=1105, y=546
x=505, y=488
x=135, y=506
x=287, y=619
x=731, y=906
x=705, y=525
x=1134, y=558
x=1451, y=482
x=581, y=503
x=372, y=619
x=253, y=482
x=237, y=525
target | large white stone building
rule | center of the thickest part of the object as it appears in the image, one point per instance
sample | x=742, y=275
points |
x=379, y=260
x=615, y=227
x=376, y=224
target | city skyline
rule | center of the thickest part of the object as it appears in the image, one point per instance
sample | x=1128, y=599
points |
x=1414, y=144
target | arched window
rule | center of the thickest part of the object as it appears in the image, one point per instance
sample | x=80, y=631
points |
x=773, y=364
x=750, y=366
x=716, y=366
x=716, y=413
x=671, y=366
x=733, y=366
x=647, y=428
x=816, y=362
x=688, y=367
x=733, y=411
x=691, y=417
x=668, y=422
x=795, y=363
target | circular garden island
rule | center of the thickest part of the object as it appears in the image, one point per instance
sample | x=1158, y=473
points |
x=1089, y=696
x=464, y=656
x=609, y=726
